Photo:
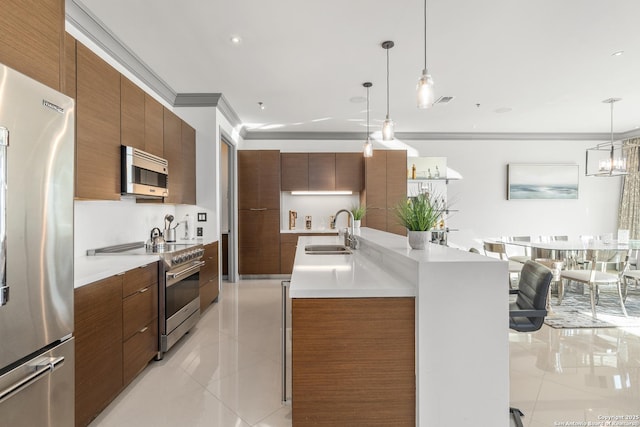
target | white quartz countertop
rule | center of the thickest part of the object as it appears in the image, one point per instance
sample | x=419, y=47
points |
x=384, y=266
x=89, y=269
x=342, y=276
x=312, y=231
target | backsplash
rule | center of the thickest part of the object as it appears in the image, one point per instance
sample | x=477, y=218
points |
x=320, y=208
x=105, y=223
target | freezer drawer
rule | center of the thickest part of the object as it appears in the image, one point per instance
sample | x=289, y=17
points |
x=40, y=391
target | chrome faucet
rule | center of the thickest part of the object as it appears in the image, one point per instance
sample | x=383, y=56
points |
x=349, y=237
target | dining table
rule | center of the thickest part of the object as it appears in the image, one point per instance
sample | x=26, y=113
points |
x=567, y=249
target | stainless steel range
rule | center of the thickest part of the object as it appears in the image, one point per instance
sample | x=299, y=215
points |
x=179, y=273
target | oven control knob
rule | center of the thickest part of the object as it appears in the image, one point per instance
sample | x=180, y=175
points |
x=174, y=260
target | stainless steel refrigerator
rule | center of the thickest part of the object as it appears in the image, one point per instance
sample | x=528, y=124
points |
x=36, y=253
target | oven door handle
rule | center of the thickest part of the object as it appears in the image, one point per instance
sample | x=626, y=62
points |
x=186, y=271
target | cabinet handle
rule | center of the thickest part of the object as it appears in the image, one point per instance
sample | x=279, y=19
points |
x=257, y=209
x=143, y=290
x=143, y=330
x=121, y=274
x=144, y=266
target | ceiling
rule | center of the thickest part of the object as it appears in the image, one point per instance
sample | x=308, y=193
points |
x=512, y=66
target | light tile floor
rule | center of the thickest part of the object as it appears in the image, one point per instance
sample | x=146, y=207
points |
x=227, y=372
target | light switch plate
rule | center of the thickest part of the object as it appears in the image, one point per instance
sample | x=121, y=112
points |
x=202, y=217
x=199, y=231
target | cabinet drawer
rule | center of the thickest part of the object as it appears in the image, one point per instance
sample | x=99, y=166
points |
x=139, y=278
x=139, y=350
x=208, y=292
x=138, y=310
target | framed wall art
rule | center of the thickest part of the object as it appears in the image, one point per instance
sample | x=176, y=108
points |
x=542, y=181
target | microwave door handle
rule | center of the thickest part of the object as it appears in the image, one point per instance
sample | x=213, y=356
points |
x=4, y=145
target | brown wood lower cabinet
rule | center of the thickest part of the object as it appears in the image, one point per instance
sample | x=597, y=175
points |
x=209, y=277
x=98, y=334
x=140, y=319
x=116, y=332
x=259, y=241
x=353, y=362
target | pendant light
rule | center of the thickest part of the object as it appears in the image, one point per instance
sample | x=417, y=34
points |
x=387, y=126
x=607, y=159
x=367, y=150
x=426, y=95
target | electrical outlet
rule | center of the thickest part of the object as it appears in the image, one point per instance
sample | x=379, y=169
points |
x=202, y=217
x=199, y=231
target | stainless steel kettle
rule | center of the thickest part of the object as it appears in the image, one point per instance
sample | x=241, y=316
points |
x=156, y=241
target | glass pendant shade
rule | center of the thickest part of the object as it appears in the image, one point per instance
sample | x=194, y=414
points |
x=426, y=95
x=367, y=149
x=387, y=130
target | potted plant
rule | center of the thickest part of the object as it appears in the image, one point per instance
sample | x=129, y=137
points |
x=420, y=215
x=358, y=212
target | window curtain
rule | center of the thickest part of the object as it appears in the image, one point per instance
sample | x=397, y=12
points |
x=629, y=211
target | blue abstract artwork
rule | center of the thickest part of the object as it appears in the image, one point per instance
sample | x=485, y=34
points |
x=542, y=181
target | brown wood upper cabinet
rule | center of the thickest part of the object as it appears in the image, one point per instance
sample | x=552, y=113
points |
x=295, y=171
x=153, y=126
x=259, y=179
x=97, y=127
x=188, y=164
x=173, y=153
x=132, y=103
x=322, y=171
x=69, y=83
x=386, y=186
x=32, y=39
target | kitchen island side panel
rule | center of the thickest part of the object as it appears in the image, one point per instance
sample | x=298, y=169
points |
x=463, y=344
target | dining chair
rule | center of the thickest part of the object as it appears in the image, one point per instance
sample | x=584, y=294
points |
x=593, y=277
x=527, y=312
x=520, y=258
x=499, y=249
x=629, y=274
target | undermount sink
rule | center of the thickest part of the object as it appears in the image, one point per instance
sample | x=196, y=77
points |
x=327, y=250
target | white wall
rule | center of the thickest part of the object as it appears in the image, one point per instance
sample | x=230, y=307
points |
x=480, y=197
x=105, y=223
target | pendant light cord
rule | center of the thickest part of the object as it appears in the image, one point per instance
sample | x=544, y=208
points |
x=367, y=113
x=425, y=35
x=612, y=124
x=387, y=83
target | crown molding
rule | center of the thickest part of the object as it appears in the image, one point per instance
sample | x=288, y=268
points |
x=635, y=133
x=217, y=100
x=91, y=27
x=427, y=136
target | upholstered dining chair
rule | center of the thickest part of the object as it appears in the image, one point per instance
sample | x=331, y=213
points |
x=593, y=277
x=520, y=258
x=527, y=312
x=499, y=249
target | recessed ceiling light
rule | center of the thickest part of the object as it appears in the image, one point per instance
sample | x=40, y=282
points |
x=618, y=53
x=235, y=39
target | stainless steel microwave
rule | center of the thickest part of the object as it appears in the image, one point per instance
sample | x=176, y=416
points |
x=144, y=175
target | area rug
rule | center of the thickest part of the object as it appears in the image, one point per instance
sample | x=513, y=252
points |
x=575, y=311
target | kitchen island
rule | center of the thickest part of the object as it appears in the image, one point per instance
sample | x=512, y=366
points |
x=389, y=326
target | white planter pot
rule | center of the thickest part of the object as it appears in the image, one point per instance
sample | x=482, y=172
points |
x=356, y=223
x=418, y=239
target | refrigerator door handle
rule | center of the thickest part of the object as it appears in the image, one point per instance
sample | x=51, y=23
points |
x=4, y=144
x=43, y=368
